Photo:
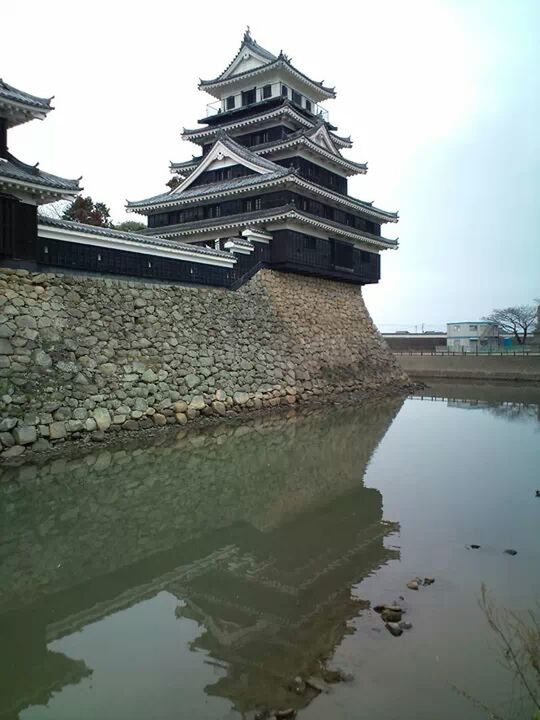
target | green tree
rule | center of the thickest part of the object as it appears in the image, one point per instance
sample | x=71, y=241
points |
x=131, y=226
x=84, y=210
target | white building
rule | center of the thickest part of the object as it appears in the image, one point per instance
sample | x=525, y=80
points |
x=479, y=335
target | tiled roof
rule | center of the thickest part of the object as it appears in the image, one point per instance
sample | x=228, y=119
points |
x=285, y=211
x=244, y=242
x=30, y=174
x=211, y=188
x=19, y=96
x=247, y=41
x=263, y=148
x=281, y=60
x=284, y=107
x=273, y=61
x=123, y=235
x=185, y=163
x=271, y=170
x=246, y=153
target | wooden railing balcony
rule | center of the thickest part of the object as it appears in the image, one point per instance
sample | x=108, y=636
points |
x=261, y=94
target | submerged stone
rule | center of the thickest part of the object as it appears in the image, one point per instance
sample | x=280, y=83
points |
x=394, y=629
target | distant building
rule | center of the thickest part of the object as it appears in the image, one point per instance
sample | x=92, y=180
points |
x=473, y=336
x=416, y=342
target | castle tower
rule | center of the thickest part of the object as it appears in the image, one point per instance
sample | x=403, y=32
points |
x=270, y=181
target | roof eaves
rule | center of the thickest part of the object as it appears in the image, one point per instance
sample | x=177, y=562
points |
x=280, y=60
x=228, y=187
x=123, y=235
x=20, y=96
x=247, y=41
x=35, y=178
x=190, y=133
x=273, y=215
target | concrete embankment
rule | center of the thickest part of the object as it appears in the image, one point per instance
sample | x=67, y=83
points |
x=518, y=368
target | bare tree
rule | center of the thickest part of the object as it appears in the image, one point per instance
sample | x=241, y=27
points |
x=517, y=320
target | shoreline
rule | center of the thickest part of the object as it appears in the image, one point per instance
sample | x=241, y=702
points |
x=119, y=437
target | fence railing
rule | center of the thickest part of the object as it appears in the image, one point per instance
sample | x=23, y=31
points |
x=482, y=353
x=259, y=94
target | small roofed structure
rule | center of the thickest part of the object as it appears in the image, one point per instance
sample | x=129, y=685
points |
x=23, y=187
x=254, y=61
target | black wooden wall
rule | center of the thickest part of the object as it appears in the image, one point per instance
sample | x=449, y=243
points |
x=18, y=228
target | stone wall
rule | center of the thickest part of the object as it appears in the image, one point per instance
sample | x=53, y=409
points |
x=82, y=356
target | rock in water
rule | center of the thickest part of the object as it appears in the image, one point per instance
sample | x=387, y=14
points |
x=413, y=585
x=317, y=684
x=511, y=552
x=297, y=685
x=405, y=625
x=429, y=581
x=262, y=715
x=391, y=616
x=475, y=547
x=336, y=676
x=394, y=629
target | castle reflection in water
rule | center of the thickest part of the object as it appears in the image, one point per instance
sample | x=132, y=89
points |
x=261, y=531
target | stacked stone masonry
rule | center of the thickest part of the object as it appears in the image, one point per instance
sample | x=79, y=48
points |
x=84, y=356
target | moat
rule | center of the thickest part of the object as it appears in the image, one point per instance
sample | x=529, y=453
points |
x=197, y=574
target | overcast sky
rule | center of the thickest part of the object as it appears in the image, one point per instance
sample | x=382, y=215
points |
x=442, y=98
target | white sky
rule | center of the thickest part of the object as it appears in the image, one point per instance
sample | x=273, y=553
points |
x=441, y=98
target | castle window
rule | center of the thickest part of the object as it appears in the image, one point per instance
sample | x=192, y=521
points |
x=213, y=211
x=296, y=98
x=248, y=97
x=267, y=91
x=308, y=105
x=231, y=102
x=258, y=203
x=285, y=91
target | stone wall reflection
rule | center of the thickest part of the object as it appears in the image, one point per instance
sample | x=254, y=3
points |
x=273, y=512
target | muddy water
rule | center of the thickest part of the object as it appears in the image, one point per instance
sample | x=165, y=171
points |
x=195, y=577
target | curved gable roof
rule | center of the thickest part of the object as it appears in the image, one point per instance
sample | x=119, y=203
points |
x=224, y=147
x=266, y=61
x=250, y=47
x=19, y=106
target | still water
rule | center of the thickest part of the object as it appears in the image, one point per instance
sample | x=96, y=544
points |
x=196, y=575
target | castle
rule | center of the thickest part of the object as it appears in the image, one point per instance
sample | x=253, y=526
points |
x=268, y=189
